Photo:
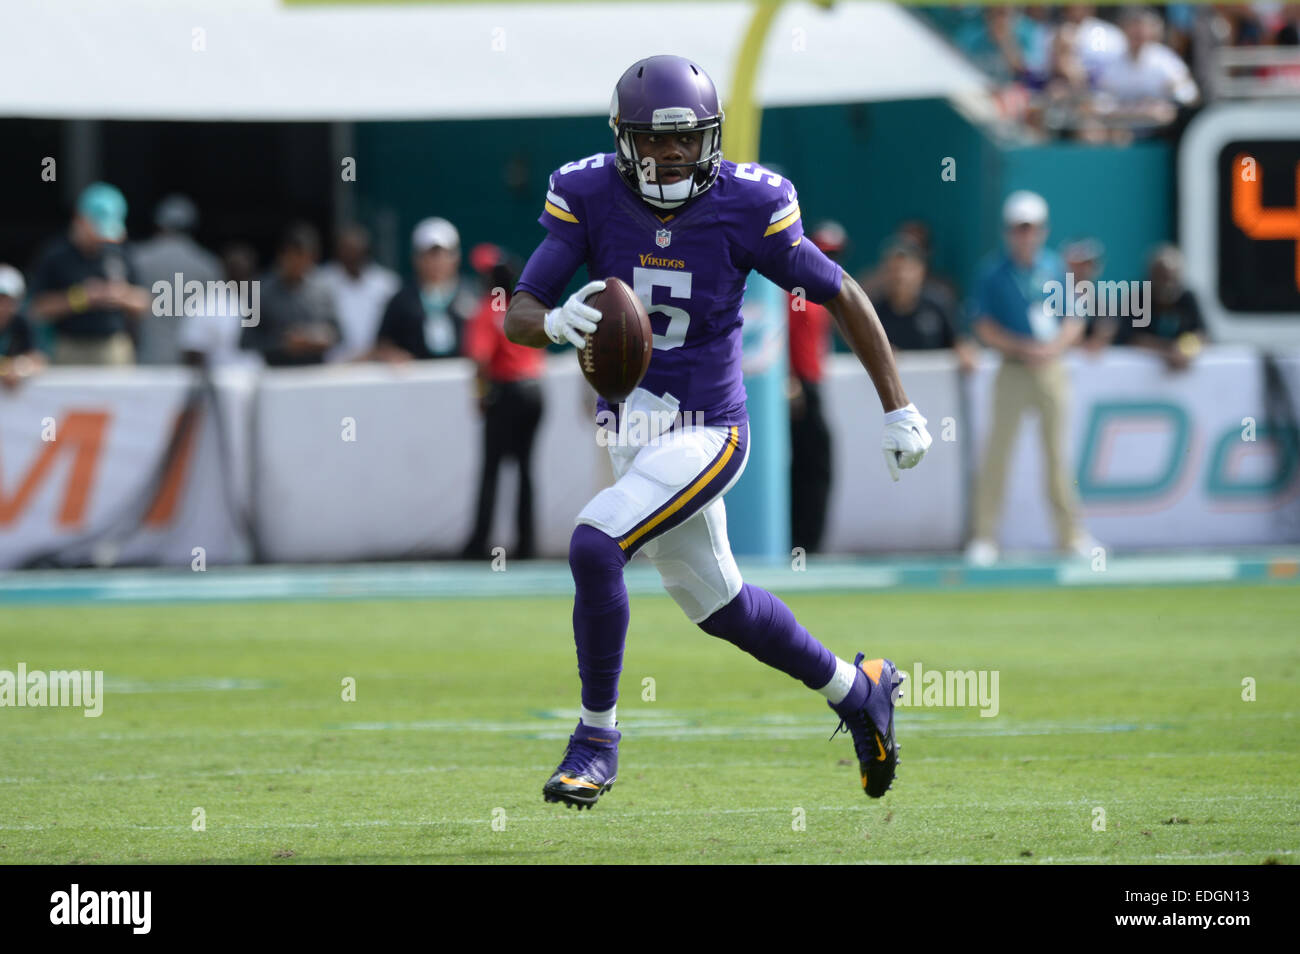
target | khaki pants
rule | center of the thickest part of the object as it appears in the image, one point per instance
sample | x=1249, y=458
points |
x=115, y=349
x=1019, y=388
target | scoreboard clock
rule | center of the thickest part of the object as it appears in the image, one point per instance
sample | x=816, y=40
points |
x=1239, y=214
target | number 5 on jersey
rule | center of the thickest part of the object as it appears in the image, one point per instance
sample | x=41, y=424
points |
x=644, y=281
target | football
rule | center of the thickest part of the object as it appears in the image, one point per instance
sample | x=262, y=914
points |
x=617, y=353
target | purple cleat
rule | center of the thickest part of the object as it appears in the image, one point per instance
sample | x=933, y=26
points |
x=589, y=767
x=868, y=711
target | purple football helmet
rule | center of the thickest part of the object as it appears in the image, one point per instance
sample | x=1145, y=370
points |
x=666, y=94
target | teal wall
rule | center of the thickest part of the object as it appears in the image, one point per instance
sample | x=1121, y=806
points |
x=1124, y=197
x=870, y=166
x=486, y=176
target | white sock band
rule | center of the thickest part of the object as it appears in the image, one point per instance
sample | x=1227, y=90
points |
x=602, y=720
x=841, y=682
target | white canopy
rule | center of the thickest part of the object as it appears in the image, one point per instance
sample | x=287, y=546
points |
x=261, y=60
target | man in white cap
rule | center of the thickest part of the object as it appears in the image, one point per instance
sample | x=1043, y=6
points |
x=1011, y=313
x=426, y=319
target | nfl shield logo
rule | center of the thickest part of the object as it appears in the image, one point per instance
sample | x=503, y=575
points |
x=663, y=237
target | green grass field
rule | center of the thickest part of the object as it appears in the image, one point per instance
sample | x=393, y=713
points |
x=1127, y=700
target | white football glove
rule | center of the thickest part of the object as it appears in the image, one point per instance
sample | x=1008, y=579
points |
x=574, y=318
x=906, y=439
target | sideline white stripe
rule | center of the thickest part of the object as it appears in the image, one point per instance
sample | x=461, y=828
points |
x=1150, y=570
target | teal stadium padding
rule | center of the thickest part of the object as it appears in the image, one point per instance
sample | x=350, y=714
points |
x=758, y=507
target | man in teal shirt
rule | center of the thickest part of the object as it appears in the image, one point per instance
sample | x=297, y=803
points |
x=1011, y=313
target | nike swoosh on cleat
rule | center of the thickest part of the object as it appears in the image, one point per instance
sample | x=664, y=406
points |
x=881, y=756
x=581, y=784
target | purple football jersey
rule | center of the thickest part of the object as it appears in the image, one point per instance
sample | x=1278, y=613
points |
x=688, y=267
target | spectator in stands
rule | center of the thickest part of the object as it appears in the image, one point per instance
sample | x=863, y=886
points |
x=1239, y=24
x=86, y=287
x=1180, y=23
x=1010, y=48
x=810, y=438
x=19, y=356
x=1288, y=34
x=1176, y=331
x=1146, y=86
x=1001, y=44
x=510, y=399
x=937, y=284
x=297, y=324
x=426, y=319
x=1066, y=76
x=1040, y=30
x=1011, y=314
x=1097, y=42
x=913, y=316
x=212, y=340
x=1064, y=104
x=1085, y=259
x=361, y=290
x=874, y=279
x=170, y=253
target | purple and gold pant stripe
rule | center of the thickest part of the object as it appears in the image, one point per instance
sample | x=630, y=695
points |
x=697, y=495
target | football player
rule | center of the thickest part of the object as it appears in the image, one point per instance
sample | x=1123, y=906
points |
x=683, y=227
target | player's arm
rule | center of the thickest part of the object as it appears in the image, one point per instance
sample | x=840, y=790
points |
x=525, y=320
x=906, y=440
x=783, y=257
x=856, y=319
x=530, y=320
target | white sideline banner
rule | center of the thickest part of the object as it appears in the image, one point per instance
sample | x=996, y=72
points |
x=362, y=461
x=86, y=477
x=1161, y=458
x=868, y=511
x=370, y=461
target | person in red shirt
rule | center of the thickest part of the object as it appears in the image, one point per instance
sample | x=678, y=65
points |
x=509, y=398
x=810, y=439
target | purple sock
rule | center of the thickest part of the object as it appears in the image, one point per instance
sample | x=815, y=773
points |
x=764, y=627
x=600, y=614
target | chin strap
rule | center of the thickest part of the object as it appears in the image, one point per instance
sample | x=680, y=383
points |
x=657, y=193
